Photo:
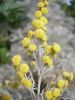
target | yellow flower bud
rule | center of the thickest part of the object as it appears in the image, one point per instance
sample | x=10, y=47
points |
x=16, y=60
x=56, y=92
x=56, y=47
x=27, y=83
x=24, y=68
x=30, y=33
x=37, y=23
x=47, y=60
x=26, y=42
x=38, y=14
x=32, y=47
x=44, y=20
x=48, y=95
x=61, y=83
x=20, y=75
x=40, y=4
x=44, y=10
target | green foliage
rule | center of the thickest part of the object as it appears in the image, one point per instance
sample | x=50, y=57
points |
x=4, y=47
x=12, y=11
x=69, y=9
x=3, y=56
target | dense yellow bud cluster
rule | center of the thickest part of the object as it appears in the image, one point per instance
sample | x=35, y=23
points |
x=37, y=39
x=58, y=86
x=21, y=70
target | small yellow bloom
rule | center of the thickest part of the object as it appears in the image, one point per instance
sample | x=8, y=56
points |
x=66, y=74
x=46, y=2
x=56, y=47
x=27, y=83
x=47, y=49
x=44, y=20
x=33, y=63
x=44, y=10
x=6, y=97
x=16, y=60
x=24, y=68
x=20, y=75
x=30, y=33
x=47, y=60
x=37, y=23
x=32, y=47
x=48, y=95
x=38, y=14
x=56, y=92
x=61, y=83
x=26, y=42
x=40, y=34
x=40, y=4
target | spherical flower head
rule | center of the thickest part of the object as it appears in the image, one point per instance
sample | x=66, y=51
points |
x=24, y=68
x=66, y=74
x=47, y=49
x=44, y=10
x=6, y=97
x=44, y=20
x=20, y=75
x=48, y=95
x=33, y=63
x=16, y=60
x=47, y=60
x=61, y=83
x=40, y=34
x=27, y=83
x=56, y=92
x=32, y=47
x=71, y=76
x=38, y=14
x=46, y=2
x=40, y=4
x=37, y=23
x=26, y=42
x=56, y=47
x=30, y=34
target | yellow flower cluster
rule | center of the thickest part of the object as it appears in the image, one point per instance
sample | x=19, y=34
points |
x=52, y=94
x=21, y=70
x=47, y=60
x=68, y=75
x=52, y=49
x=58, y=87
x=27, y=83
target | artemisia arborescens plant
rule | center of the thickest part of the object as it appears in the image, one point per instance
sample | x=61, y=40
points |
x=41, y=60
